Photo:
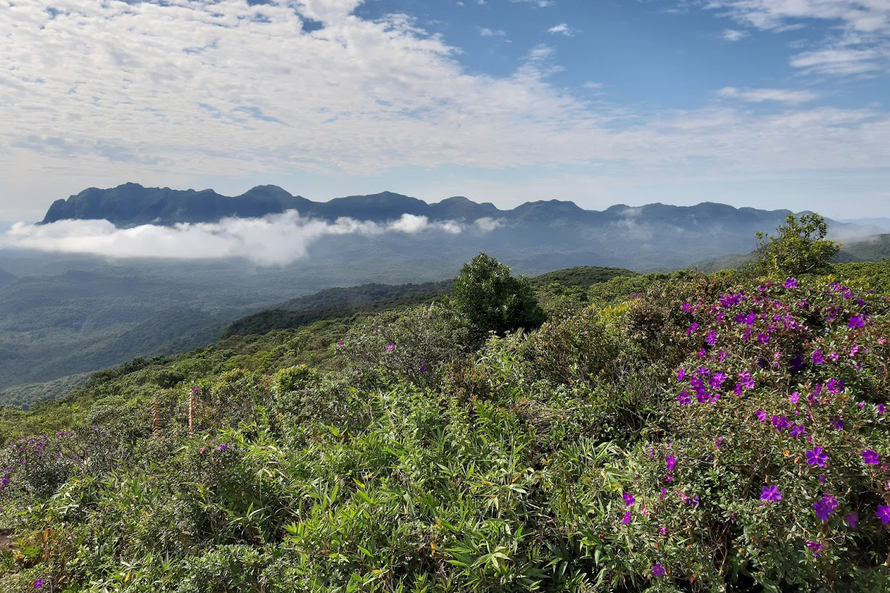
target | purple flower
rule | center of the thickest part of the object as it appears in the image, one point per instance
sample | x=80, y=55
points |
x=747, y=381
x=389, y=347
x=780, y=422
x=626, y=519
x=871, y=457
x=38, y=583
x=658, y=570
x=628, y=499
x=883, y=513
x=692, y=328
x=852, y=519
x=663, y=530
x=680, y=374
x=712, y=338
x=790, y=283
x=815, y=456
x=339, y=342
x=881, y=408
x=797, y=430
x=825, y=506
x=763, y=338
x=686, y=307
x=817, y=357
x=815, y=547
x=223, y=447
x=770, y=494
x=683, y=398
x=761, y=415
x=834, y=386
x=718, y=441
x=794, y=397
x=854, y=350
x=856, y=322
x=836, y=423
x=670, y=461
x=423, y=368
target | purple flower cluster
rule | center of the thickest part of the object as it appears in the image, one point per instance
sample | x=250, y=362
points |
x=825, y=506
x=773, y=338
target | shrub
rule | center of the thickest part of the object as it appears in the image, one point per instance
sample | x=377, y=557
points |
x=416, y=345
x=574, y=349
x=778, y=420
x=800, y=248
x=494, y=301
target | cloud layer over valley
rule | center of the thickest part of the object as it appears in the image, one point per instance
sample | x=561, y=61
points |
x=274, y=240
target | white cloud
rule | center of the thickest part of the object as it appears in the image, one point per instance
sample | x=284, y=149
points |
x=858, y=44
x=411, y=224
x=538, y=3
x=734, y=35
x=861, y=15
x=273, y=240
x=486, y=32
x=839, y=61
x=788, y=96
x=561, y=29
x=487, y=224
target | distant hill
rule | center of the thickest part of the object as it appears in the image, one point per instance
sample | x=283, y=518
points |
x=581, y=276
x=872, y=249
x=338, y=303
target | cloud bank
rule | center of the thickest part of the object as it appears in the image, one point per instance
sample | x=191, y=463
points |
x=273, y=240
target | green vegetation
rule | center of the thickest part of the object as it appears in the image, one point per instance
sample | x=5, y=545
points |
x=581, y=276
x=800, y=247
x=493, y=301
x=666, y=432
x=337, y=303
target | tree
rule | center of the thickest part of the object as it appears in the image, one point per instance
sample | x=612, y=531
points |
x=800, y=248
x=494, y=301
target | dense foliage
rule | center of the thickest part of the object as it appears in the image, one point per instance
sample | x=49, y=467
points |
x=493, y=301
x=681, y=432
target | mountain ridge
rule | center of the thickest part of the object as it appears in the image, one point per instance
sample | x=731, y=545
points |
x=132, y=204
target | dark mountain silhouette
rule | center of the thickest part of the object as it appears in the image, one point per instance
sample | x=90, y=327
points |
x=131, y=204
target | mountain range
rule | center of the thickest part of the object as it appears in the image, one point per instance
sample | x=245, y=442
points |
x=132, y=204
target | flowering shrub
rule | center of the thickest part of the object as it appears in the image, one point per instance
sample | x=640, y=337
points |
x=779, y=432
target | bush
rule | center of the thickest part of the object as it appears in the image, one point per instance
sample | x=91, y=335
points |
x=778, y=420
x=416, y=345
x=575, y=349
x=494, y=301
x=800, y=248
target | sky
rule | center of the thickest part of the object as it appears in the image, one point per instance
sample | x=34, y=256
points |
x=763, y=103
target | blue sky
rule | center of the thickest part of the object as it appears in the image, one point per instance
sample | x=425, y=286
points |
x=764, y=103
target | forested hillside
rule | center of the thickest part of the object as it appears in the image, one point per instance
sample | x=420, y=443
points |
x=662, y=432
